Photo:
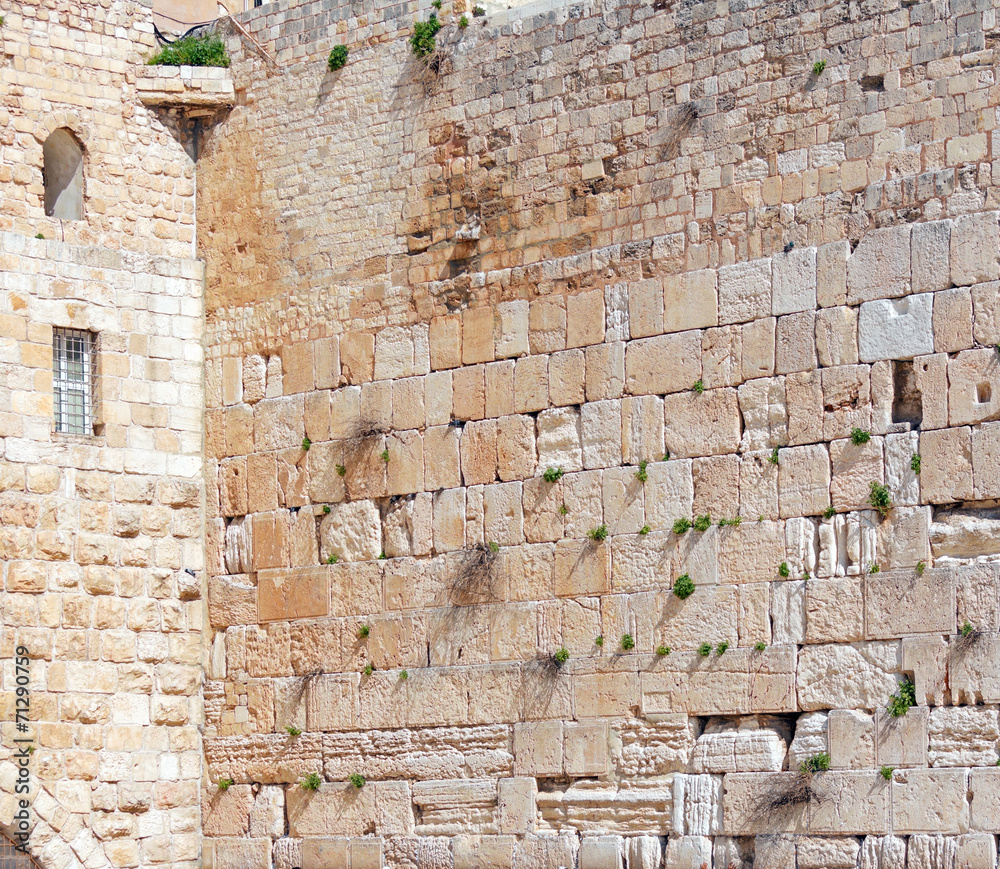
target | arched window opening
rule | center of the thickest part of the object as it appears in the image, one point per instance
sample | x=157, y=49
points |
x=63, y=175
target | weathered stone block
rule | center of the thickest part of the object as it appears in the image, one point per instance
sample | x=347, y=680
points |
x=879, y=267
x=669, y=363
x=896, y=328
x=745, y=291
x=702, y=425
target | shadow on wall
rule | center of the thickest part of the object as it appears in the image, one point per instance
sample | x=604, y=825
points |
x=62, y=171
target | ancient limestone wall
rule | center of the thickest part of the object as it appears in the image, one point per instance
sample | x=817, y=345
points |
x=101, y=534
x=499, y=359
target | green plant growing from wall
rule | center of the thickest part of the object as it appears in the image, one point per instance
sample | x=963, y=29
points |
x=332, y=558
x=641, y=474
x=859, y=436
x=306, y=443
x=698, y=387
x=337, y=58
x=878, y=497
x=666, y=456
x=967, y=631
x=645, y=530
x=224, y=784
x=816, y=763
x=874, y=568
x=341, y=470
x=829, y=512
x=385, y=455
x=563, y=510
x=561, y=656
x=404, y=675
x=311, y=782
x=364, y=631
x=40, y=236
x=206, y=50
x=478, y=11
x=662, y=651
x=886, y=772
x=818, y=68
x=628, y=642
x=292, y=730
x=369, y=669
x=703, y=523
x=553, y=475
x=915, y=463
x=759, y=646
x=424, y=42
x=326, y=509
x=683, y=586
x=783, y=570
x=921, y=567
x=773, y=458
x=598, y=534
x=903, y=699
x=682, y=525
x=705, y=649
x=731, y=523
x=463, y=22
x=599, y=642
x=721, y=648
x=357, y=780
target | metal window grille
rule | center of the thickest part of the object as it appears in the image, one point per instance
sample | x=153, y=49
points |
x=11, y=858
x=73, y=380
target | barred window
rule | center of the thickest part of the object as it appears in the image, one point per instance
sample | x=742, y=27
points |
x=73, y=380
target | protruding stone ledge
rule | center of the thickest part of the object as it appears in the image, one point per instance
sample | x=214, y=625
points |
x=195, y=87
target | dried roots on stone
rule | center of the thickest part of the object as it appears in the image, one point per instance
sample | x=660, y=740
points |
x=478, y=579
x=783, y=796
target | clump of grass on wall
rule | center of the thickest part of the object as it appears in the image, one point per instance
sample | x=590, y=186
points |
x=337, y=58
x=206, y=50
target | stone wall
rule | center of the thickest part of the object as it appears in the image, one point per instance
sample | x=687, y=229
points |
x=102, y=534
x=483, y=345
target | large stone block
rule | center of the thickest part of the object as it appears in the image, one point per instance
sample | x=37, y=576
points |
x=669, y=363
x=855, y=676
x=946, y=465
x=975, y=249
x=930, y=250
x=794, y=281
x=803, y=480
x=974, y=387
x=901, y=603
x=284, y=595
x=702, y=425
x=930, y=801
x=745, y=291
x=690, y=301
x=879, y=267
x=896, y=328
x=352, y=531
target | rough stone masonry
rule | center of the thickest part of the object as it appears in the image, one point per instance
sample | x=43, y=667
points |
x=586, y=444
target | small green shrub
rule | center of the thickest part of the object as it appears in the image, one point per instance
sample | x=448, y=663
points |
x=886, y=772
x=698, y=387
x=494, y=547
x=641, y=474
x=39, y=235
x=806, y=574
x=645, y=530
x=357, y=780
x=423, y=42
x=224, y=784
x=292, y=730
x=561, y=656
x=783, y=569
x=874, y=568
x=306, y=443
x=684, y=586
x=915, y=463
x=381, y=555
x=829, y=512
x=478, y=11
x=773, y=458
x=337, y=58
x=368, y=670
x=903, y=699
x=663, y=651
x=816, y=763
x=599, y=533
x=967, y=630
x=364, y=631
x=666, y=456
x=341, y=470
x=436, y=4
x=818, y=68
x=311, y=782
x=705, y=649
x=859, y=436
x=463, y=22
x=551, y=475
x=332, y=559
x=564, y=510
x=206, y=50
x=599, y=642
x=403, y=675
x=703, y=523
x=628, y=642
x=921, y=567
x=682, y=525
x=326, y=509
x=721, y=648
x=878, y=497
x=759, y=646
x=733, y=523
x=385, y=455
